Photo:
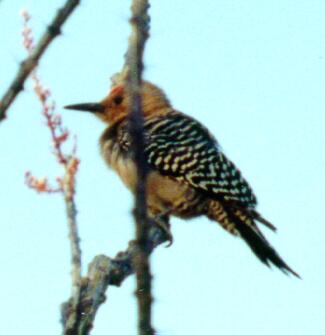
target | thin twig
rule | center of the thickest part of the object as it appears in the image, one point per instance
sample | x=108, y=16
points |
x=27, y=66
x=140, y=32
x=69, y=199
x=65, y=184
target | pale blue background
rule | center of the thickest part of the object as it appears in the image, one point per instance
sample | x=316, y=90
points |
x=254, y=72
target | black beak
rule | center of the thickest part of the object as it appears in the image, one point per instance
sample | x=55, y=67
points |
x=88, y=107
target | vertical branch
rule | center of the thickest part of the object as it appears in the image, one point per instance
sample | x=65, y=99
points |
x=69, y=190
x=66, y=185
x=28, y=65
x=140, y=32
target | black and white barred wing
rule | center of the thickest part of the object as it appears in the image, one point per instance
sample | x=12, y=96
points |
x=180, y=147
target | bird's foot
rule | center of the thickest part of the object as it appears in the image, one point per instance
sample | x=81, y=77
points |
x=161, y=220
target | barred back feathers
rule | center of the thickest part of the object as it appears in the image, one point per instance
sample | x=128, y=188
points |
x=189, y=174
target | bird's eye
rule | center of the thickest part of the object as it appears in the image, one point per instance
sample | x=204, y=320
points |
x=118, y=100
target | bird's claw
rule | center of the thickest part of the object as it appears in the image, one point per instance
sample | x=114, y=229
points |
x=170, y=241
x=161, y=222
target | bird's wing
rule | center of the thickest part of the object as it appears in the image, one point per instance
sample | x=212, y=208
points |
x=180, y=147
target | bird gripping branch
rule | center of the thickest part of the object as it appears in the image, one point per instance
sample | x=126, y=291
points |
x=189, y=174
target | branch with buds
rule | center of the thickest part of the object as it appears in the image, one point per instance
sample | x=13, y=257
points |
x=29, y=64
x=64, y=184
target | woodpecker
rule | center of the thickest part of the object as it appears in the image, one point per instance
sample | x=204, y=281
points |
x=189, y=175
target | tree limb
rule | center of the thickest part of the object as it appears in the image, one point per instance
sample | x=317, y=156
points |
x=134, y=62
x=102, y=272
x=27, y=66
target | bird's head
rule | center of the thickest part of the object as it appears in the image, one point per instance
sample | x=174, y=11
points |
x=116, y=105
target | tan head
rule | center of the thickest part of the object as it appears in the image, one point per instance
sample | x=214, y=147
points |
x=116, y=105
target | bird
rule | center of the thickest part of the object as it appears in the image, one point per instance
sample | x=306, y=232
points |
x=189, y=174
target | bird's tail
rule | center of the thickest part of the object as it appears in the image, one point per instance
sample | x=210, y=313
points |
x=240, y=222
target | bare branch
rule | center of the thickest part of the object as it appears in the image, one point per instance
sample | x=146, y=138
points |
x=69, y=199
x=140, y=32
x=102, y=272
x=27, y=66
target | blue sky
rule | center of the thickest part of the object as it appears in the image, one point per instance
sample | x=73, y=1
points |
x=253, y=72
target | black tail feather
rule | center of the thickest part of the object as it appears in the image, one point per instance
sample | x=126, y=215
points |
x=257, y=242
x=257, y=216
